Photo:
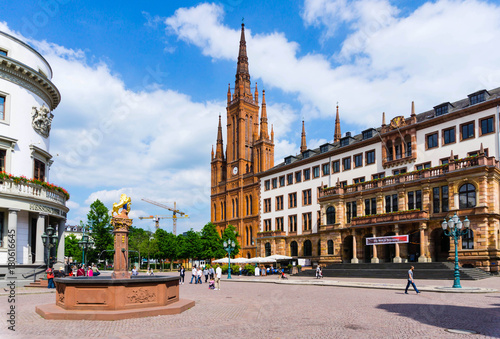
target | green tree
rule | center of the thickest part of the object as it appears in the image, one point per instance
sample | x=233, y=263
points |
x=192, y=245
x=230, y=233
x=211, y=244
x=98, y=220
x=167, y=245
x=137, y=241
x=71, y=248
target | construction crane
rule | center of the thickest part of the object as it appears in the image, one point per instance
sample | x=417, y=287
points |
x=174, y=216
x=157, y=218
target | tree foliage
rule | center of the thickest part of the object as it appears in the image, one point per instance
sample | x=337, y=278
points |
x=98, y=220
x=211, y=244
x=192, y=245
x=71, y=248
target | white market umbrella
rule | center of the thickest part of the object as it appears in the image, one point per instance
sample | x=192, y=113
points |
x=278, y=257
x=239, y=261
x=260, y=260
x=221, y=261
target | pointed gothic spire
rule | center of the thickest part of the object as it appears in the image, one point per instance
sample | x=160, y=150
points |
x=242, y=87
x=337, y=135
x=263, y=118
x=272, y=133
x=256, y=94
x=413, y=109
x=212, y=152
x=220, y=147
x=228, y=93
x=303, y=144
x=383, y=119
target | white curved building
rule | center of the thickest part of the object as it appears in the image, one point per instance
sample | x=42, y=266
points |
x=28, y=203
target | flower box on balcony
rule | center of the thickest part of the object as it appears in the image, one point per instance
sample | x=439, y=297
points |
x=389, y=217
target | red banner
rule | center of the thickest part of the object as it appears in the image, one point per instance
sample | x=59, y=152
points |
x=393, y=239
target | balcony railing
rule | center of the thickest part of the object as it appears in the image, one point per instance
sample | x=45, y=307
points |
x=31, y=190
x=400, y=216
x=454, y=165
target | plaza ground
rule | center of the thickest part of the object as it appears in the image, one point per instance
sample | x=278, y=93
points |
x=265, y=310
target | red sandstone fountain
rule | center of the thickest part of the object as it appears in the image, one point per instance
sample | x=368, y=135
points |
x=119, y=296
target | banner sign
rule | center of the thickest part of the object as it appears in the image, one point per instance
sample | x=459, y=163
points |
x=393, y=239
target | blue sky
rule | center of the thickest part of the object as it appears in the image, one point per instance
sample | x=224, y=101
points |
x=142, y=83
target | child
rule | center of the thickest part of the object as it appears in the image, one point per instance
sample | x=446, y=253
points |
x=211, y=284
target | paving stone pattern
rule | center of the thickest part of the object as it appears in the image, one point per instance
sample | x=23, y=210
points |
x=253, y=310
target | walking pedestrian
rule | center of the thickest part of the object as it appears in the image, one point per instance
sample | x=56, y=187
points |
x=194, y=275
x=212, y=272
x=182, y=273
x=410, y=281
x=205, y=273
x=218, y=275
x=318, y=271
x=199, y=273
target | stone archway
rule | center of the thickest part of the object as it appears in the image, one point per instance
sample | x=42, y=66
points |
x=347, y=251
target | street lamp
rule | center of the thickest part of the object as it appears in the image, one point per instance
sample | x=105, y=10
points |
x=49, y=240
x=84, y=244
x=229, y=246
x=453, y=228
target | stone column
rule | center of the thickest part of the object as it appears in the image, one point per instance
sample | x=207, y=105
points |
x=374, y=259
x=354, y=259
x=40, y=249
x=422, y=257
x=397, y=258
x=120, y=231
x=60, y=235
x=12, y=229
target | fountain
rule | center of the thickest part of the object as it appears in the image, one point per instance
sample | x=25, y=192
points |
x=120, y=296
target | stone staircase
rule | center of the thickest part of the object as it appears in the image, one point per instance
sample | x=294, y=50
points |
x=434, y=270
x=40, y=283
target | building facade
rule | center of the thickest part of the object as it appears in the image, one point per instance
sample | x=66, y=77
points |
x=401, y=178
x=28, y=203
x=249, y=150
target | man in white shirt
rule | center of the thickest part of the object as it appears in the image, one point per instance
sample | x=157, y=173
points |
x=194, y=275
x=218, y=275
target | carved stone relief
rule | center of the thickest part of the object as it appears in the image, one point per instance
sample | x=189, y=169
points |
x=41, y=120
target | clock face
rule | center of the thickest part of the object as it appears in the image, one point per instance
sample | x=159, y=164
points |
x=235, y=170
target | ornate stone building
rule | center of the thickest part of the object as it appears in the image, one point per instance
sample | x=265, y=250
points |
x=249, y=150
x=28, y=203
x=402, y=178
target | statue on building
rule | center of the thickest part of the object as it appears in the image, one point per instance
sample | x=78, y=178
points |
x=41, y=120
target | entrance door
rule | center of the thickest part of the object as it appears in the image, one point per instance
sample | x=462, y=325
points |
x=414, y=246
x=389, y=249
x=347, y=249
x=441, y=245
x=368, y=249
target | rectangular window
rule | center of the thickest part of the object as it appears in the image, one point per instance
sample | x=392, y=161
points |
x=267, y=205
x=292, y=223
x=358, y=160
x=267, y=225
x=367, y=134
x=289, y=178
x=358, y=180
x=374, y=206
x=467, y=131
x=436, y=208
x=399, y=171
x=336, y=166
x=476, y=98
x=39, y=170
x=367, y=207
x=351, y=210
x=306, y=221
x=292, y=200
x=282, y=181
x=444, y=199
x=487, y=125
x=346, y=164
x=279, y=203
x=422, y=166
x=3, y=155
x=449, y=136
x=370, y=206
x=3, y=52
x=394, y=202
x=441, y=110
x=307, y=174
x=267, y=185
x=326, y=169
x=279, y=224
x=298, y=176
x=275, y=182
x=411, y=200
x=378, y=176
x=418, y=200
x=2, y=107
x=343, y=184
x=370, y=157
x=387, y=204
x=432, y=140
x=306, y=197
x=316, y=172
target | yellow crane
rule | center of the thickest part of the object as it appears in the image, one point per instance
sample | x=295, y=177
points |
x=174, y=217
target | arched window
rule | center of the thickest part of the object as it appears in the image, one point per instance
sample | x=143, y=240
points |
x=215, y=212
x=468, y=240
x=221, y=211
x=467, y=196
x=225, y=214
x=294, y=249
x=307, y=248
x=246, y=200
x=237, y=208
x=319, y=247
x=251, y=204
x=233, y=215
x=268, y=249
x=330, y=215
x=330, y=247
x=248, y=239
x=251, y=236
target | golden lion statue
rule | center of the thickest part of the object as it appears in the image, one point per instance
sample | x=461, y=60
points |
x=125, y=203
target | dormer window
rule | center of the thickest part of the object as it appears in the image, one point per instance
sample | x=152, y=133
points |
x=368, y=134
x=305, y=154
x=477, y=97
x=324, y=148
x=441, y=109
x=289, y=159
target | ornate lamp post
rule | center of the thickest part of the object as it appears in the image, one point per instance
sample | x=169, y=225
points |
x=49, y=240
x=229, y=247
x=453, y=228
x=84, y=244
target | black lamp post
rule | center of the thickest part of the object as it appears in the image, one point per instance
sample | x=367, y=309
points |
x=49, y=240
x=84, y=244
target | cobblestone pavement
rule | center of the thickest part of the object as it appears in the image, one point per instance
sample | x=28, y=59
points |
x=244, y=310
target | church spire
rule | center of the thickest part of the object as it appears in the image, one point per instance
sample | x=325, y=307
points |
x=220, y=147
x=263, y=118
x=242, y=87
x=303, y=144
x=337, y=135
